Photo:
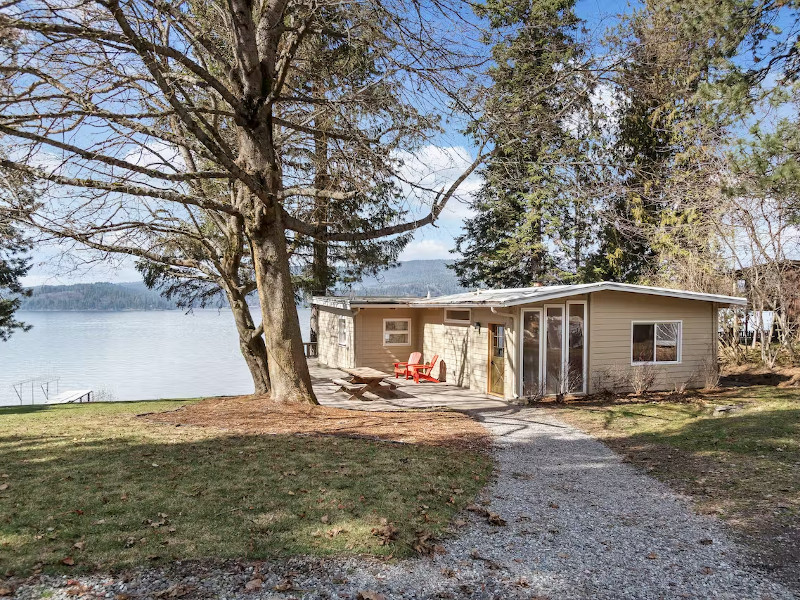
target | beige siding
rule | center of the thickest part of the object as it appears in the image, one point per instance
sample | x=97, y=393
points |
x=370, y=351
x=464, y=350
x=610, y=318
x=330, y=352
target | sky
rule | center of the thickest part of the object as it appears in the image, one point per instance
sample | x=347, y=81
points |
x=434, y=165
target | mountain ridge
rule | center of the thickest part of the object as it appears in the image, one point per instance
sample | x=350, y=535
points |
x=409, y=278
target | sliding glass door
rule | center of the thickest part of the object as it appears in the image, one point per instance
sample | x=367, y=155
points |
x=576, y=348
x=554, y=350
x=531, y=353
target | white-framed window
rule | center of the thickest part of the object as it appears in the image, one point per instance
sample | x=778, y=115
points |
x=397, y=332
x=342, y=331
x=457, y=316
x=656, y=342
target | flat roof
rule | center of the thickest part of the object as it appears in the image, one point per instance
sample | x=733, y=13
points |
x=518, y=296
x=348, y=302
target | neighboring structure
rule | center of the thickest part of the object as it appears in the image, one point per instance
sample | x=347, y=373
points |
x=535, y=341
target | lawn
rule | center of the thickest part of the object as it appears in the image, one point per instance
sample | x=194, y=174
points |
x=88, y=487
x=742, y=465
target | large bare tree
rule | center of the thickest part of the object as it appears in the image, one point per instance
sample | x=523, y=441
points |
x=141, y=111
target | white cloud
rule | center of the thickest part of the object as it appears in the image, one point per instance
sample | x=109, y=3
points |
x=435, y=168
x=426, y=250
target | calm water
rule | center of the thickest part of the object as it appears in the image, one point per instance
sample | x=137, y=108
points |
x=129, y=355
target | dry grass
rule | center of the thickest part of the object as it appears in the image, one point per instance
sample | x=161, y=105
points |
x=96, y=486
x=258, y=415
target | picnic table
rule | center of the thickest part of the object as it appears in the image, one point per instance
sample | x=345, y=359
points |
x=364, y=379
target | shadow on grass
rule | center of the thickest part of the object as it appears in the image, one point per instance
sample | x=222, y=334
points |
x=23, y=409
x=128, y=500
x=750, y=433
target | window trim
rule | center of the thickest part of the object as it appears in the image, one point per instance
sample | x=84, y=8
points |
x=569, y=303
x=339, y=322
x=458, y=321
x=408, y=332
x=654, y=323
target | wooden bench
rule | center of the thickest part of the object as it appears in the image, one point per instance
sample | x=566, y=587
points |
x=349, y=386
x=364, y=379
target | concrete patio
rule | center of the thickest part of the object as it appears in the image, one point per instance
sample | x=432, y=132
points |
x=408, y=395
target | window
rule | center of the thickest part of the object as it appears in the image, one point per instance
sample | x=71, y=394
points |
x=457, y=316
x=397, y=332
x=656, y=342
x=342, y=331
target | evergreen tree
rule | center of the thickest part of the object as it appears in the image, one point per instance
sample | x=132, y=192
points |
x=530, y=222
x=14, y=263
x=668, y=142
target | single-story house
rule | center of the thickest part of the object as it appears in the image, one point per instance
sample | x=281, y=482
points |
x=529, y=342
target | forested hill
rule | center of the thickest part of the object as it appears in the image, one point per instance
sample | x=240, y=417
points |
x=411, y=278
x=95, y=296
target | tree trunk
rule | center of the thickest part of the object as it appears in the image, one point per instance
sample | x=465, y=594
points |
x=288, y=369
x=320, y=274
x=251, y=343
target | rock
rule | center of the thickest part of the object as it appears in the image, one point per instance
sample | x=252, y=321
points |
x=370, y=595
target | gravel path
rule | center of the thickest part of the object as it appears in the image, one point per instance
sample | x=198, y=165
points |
x=580, y=524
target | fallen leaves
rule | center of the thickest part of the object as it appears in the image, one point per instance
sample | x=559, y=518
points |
x=369, y=595
x=253, y=585
x=495, y=519
x=6, y=591
x=160, y=522
x=491, y=517
x=386, y=531
x=424, y=544
x=68, y=561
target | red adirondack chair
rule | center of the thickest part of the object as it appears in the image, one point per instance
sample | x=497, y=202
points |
x=424, y=371
x=401, y=368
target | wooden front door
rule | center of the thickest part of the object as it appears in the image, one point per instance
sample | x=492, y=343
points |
x=497, y=358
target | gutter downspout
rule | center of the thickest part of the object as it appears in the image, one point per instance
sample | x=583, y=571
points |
x=514, y=324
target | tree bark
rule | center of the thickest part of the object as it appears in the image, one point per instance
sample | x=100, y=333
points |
x=288, y=369
x=251, y=342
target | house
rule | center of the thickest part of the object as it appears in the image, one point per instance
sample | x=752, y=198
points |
x=527, y=342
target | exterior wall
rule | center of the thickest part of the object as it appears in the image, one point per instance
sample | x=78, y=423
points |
x=610, y=317
x=328, y=348
x=370, y=351
x=464, y=350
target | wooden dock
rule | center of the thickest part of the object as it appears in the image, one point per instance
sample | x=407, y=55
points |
x=47, y=388
x=71, y=396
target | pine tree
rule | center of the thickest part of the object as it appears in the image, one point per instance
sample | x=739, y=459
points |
x=529, y=225
x=668, y=141
x=14, y=263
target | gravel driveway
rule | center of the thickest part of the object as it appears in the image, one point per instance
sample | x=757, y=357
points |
x=580, y=524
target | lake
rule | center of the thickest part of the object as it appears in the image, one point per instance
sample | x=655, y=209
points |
x=136, y=355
